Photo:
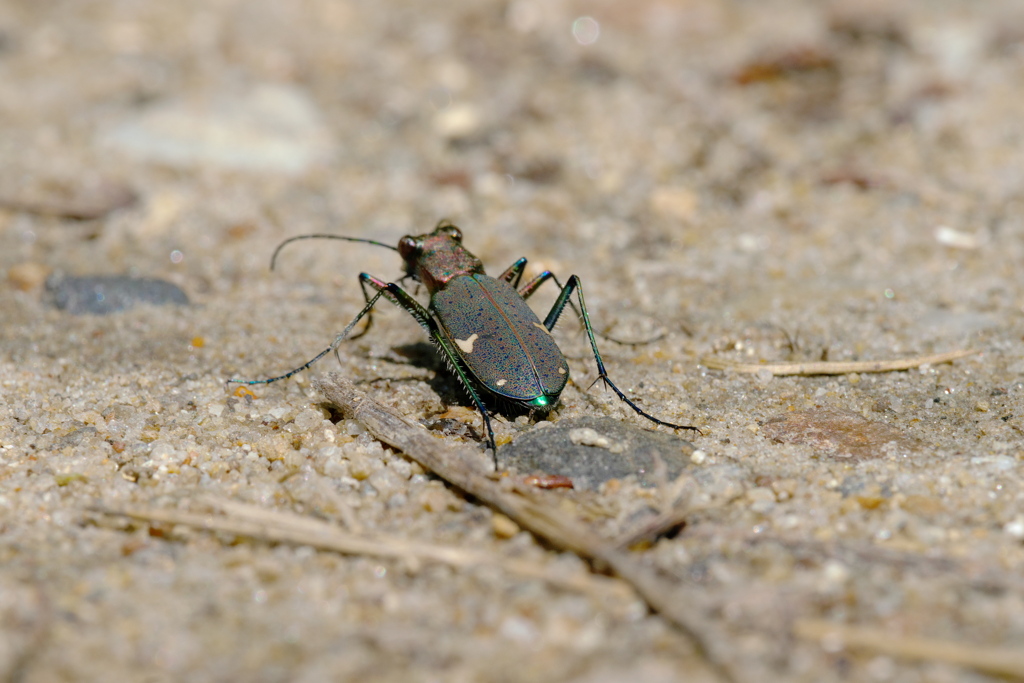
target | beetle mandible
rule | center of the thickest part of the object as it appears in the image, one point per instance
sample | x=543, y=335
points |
x=488, y=335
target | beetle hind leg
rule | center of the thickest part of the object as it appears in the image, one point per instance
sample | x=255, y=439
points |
x=451, y=359
x=573, y=285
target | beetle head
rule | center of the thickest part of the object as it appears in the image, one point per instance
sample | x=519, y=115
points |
x=437, y=257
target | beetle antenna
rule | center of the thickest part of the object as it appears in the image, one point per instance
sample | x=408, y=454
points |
x=273, y=259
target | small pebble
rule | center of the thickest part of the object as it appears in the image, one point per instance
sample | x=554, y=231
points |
x=590, y=437
x=458, y=121
x=307, y=420
x=503, y=527
x=386, y=482
x=27, y=276
x=761, y=499
x=518, y=630
x=835, y=572
x=593, y=450
x=679, y=203
x=103, y=294
x=1015, y=528
x=958, y=239
x=265, y=128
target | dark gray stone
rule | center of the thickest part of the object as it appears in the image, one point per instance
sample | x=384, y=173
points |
x=102, y=294
x=592, y=450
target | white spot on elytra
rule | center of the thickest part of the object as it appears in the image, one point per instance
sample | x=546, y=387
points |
x=561, y=371
x=467, y=344
x=501, y=382
x=546, y=330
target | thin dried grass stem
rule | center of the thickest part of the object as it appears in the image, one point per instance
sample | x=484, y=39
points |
x=834, y=368
x=993, y=660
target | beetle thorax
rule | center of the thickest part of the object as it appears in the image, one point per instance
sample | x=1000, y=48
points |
x=438, y=257
x=436, y=267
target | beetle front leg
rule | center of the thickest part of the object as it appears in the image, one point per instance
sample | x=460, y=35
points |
x=574, y=285
x=376, y=284
x=401, y=298
x=398, y=296
x=382, y=290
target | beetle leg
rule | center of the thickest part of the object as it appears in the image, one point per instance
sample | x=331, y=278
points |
x=514, y=273
x=574, y=285
x=533, y=285
x=456, y=368
x=382, y=290
x=527, y=290
x=406, y=302
x=378, y=285
x=530, y=287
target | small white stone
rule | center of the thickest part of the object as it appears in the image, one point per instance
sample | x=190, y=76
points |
x=458, y=121
x=518, y=629
x=698, y=457
x=307, y=420
x=163, y=452
x=386, y=482
x=585, y=436
x=956, y=238
x=1015, y=528
x=835, y=572
x=761, y=499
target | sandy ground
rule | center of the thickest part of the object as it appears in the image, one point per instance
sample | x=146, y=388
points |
x=772, y=181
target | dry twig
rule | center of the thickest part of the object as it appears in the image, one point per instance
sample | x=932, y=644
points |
x=276, y=526
x=834, y=368
x=461, y=467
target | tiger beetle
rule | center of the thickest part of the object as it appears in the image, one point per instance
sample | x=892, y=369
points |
x=489, y=337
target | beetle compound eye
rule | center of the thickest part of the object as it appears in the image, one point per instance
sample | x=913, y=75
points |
x=454, y=233
x=409, y=248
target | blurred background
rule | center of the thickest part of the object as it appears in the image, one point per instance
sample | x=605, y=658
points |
x=776, y=180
